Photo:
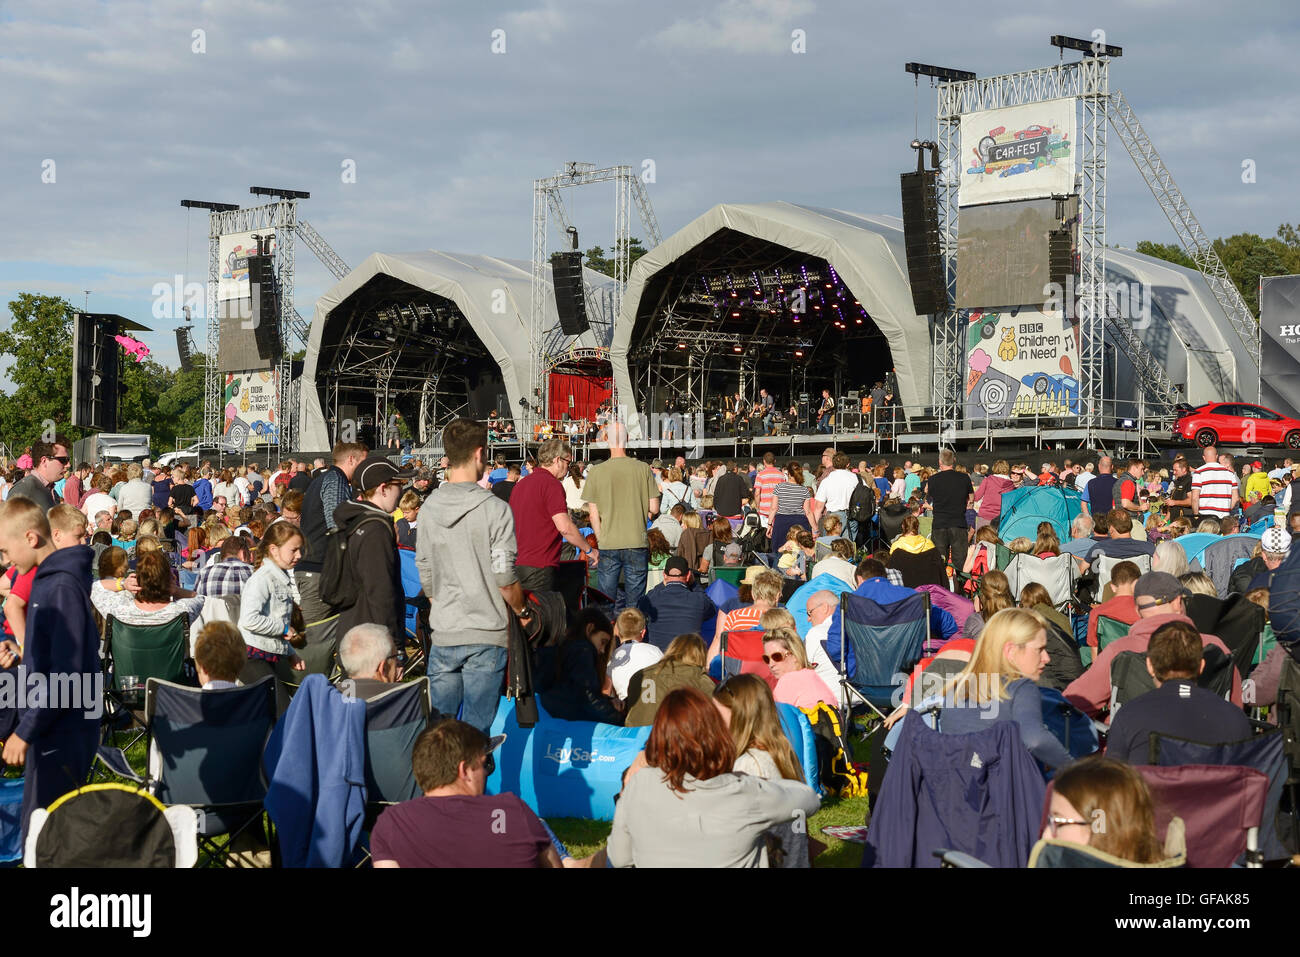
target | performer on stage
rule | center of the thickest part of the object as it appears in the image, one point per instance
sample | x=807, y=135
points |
x=825, y=411
x=766, y=406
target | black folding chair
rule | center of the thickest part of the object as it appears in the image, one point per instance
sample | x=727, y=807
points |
x=394, y=719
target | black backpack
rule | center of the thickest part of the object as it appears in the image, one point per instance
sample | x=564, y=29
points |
x=339, y=587
x=862, y=503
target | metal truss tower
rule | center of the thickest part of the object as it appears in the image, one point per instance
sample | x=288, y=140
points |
x=545, y=341
x=1088, y=81
x=282, y=217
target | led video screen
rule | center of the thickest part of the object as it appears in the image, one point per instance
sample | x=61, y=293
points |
x=1002, y=253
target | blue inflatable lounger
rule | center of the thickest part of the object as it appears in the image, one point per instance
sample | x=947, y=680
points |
x=563, y=768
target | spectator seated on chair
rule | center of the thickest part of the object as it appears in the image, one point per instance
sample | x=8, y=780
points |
x=1178, y=707
x=1121, y=543
x=993, y=595
x=1199, y=583
x=797, y=682
x=821, y=608
x=1274, y=547
x=998, y=684
x=673, y=607
x=369, y=660
x=669, y=524
x=765, y=587
x=152, y=603
x=455, y=824
x=682, y=666
x=632, y=654
x=1159, y=600
x=1105, y=804
x=840, y=562
x=915, y=556
x=1064, y=663
x=226, y=576
x=762, y=748
x=797, y=553
x=219, y=656
x=573, y=681
x=1123, y=579
x=684, y=777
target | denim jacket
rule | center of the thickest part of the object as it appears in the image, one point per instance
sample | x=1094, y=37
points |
x=266, y=608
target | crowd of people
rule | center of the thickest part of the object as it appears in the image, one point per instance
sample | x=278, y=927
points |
x=249, y=557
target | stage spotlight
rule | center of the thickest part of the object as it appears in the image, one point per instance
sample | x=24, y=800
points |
x=798, y=353
x=735, y=349
x=735, y=315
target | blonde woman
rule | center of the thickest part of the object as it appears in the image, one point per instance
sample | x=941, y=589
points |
x=762, y=748
x=998, y=684
x=797, y=682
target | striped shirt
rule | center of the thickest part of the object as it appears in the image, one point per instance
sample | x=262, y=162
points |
x=765, y=483
x=1214, y=484
x=790, y=498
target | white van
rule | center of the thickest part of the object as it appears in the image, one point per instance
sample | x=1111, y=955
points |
x=111, y=447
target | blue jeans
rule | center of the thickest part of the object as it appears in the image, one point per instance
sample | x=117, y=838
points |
x=632, y=563
x=468, y=674
x=824, y=424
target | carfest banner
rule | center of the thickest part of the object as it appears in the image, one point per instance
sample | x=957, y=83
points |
x=1019, y=152
x=233, y=250
x=1021, y=362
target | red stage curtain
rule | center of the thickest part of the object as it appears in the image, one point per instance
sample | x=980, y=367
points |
x=588, y=393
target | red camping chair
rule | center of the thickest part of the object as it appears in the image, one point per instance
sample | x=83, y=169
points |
x=1222, y=806
x=742, y=654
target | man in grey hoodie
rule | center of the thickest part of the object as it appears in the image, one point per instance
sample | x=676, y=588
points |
x=466, y=556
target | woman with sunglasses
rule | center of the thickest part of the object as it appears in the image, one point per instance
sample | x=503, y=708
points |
x=682, y=805
x=797, y=681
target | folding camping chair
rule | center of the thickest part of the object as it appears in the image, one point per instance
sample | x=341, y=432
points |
x=1109, y=629
x=1264, y=752
x=111, y=825
x=1056, y=574
x=1219, y=558
x=1105, y=564
x=417, y=613
x=741, y=652
x=729, y=574
x=887, y=642
x=394, y=720
x=1221, y=806
x=1129, y=677
x=142, y=651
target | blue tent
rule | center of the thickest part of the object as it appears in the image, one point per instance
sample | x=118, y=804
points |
x=1024, y=508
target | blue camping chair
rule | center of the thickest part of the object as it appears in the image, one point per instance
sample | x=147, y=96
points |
x=1261, y=526
x=417, y=607
x=804, y=741
x=11, y=818
x=887, y=641
x=1074, y=729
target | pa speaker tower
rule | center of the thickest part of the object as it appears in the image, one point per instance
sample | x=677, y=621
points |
x=570, y=303
x=921, y=240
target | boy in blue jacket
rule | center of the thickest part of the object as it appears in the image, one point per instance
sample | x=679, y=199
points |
x=59, y=725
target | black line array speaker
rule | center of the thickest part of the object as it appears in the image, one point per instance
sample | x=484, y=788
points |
x=921, y=240
x=805, y=412
x=183, y=349
x=1060, y=256
x=266, y=312
x=95, y=356
x=570, y=303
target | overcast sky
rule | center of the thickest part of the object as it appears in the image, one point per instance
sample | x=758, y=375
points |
x=446, y=135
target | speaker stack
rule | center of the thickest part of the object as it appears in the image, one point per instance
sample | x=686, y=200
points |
x=805, y=413
x=570, y=303
x=851, y=412
x=921, y=240
x=1060, y=256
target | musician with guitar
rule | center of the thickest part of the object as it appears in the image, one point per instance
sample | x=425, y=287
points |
x=825, y=413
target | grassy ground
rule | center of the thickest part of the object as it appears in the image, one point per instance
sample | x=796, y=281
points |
x=584, y=837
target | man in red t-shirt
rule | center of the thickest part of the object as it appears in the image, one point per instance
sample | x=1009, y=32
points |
x=765, y=483
x=542, y=519
x=1121, y=607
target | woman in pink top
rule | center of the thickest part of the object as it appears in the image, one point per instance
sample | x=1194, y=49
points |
x=797, y=682
x=988, y=498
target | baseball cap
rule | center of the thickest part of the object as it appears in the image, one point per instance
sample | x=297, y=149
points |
x=676, y=566
x=1158, y=588
x=1276, y=540
x=374, y=471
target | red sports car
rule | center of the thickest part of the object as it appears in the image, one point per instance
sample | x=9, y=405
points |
x=1237, y=423
x=1029, y=132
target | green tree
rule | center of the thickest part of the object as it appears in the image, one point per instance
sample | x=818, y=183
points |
x=595, y=258
x=38, y=345
x=1166, y=251
x=1247, y=256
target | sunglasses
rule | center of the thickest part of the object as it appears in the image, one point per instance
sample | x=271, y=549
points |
x=61, y=459
x=489, y=763
x=1054, y=821
x=776, y=657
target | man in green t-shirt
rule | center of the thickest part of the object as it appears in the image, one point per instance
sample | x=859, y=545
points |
x=623, y=496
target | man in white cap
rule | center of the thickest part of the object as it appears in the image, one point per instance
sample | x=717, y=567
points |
x=1275, y=545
